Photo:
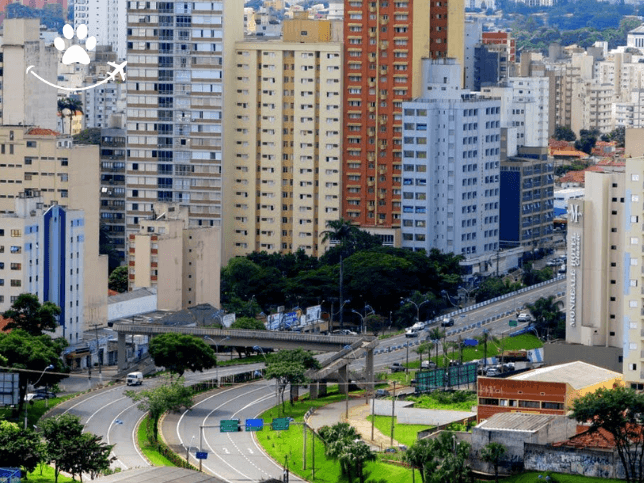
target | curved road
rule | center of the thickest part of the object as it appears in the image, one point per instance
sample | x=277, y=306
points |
x=232, y=457
x=236, y=457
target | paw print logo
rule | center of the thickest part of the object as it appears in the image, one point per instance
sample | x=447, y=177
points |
x=76, y=53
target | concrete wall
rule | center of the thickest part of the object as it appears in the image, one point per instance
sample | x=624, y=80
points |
x=587, y=462
x=128, y=308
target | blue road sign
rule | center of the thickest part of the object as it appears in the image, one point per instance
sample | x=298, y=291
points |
x=254, y=424
x=202, y=455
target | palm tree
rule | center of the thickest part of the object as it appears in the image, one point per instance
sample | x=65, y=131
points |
x=421, y=455
x=546, y=313
x=484, y=338
x=436, y=334
x=345, y=233
x=492, y=453
x=422, y=348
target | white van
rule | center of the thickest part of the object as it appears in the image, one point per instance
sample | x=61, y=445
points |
x=134, y=379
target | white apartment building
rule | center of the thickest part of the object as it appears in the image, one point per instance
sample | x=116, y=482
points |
x=106, y=20
x=101, y=103
x=41, y=252
x=451, y=166
x=181, y=72
x=285, y=159
x=524, y=106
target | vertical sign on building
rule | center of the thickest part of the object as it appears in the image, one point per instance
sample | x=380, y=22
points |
x=575, y=227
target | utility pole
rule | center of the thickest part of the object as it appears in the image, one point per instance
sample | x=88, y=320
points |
x=373, y=414
x=341, y=293
x=313, y=457
x=393, y=409
x=304, y=447
x=98, y=351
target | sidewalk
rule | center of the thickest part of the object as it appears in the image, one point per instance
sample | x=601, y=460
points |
x=358, y=412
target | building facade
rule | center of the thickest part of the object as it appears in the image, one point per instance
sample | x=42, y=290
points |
x=285, y=161
x=112, y=192
x=106, y=20
x=182, y=263
x=450, y=175
x=42, y=253
x=181, y=65
x=68, y=174
x=527, y=199
x=383, y=47
x=595, y=268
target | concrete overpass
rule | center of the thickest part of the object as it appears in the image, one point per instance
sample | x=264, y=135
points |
x=348, y=347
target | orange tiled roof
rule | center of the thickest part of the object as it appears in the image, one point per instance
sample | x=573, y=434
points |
x=3, y=323
x=587, y=439
x=572, y=153
x=111, y=292
x=39, y=131
x=554, y=144
x=578, y=176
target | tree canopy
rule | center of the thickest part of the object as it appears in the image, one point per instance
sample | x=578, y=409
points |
x=181, y=352
x=493, y=453
x=170, y=396
x=620, y=412
x=564, y=133
x=342, y=443
x=117, y=280
x=440, y=460
x=289, y=367
x=28, y=314
x=20, y=445
x=548, y=317
x=248, y=323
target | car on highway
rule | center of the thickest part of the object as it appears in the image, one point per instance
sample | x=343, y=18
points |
x=418, y=326
x=524, y=317
x=411, y=333
x=397, y=367
x=447, y=322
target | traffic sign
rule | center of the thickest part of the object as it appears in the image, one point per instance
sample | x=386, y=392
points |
x=513, y=323
x=280, y=424
x=254, y=424
x=202, y=455
x=229, y=425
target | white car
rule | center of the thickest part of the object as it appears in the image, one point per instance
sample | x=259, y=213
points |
x=524, y=317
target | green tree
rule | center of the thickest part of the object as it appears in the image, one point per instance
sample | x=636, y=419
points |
x=422, y=348
x=587, y=140
x=171, y=396
x=181, y=352
x=118, y=279
x=20, y=446
x=336, y=438
x=33, y=353
x=28, y=314
x=354, y=455
x=289, y=367
x=90, y=135
x=548, y=317
x=620, y=412
x=422, y=456
x=494, y=287
x=375, y=323
x=70, y=103
x=564, y=133
x=435, y=335
x=73, y=451
x=248, y=323
x=493, y=453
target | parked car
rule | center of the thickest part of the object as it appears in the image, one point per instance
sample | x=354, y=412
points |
x=39, y=396
x=447, y=322
x=382, y=393
x=397, y=367
x=524, y=317
x=428, y=365
x=562, y=270
x=493, y=371
x=391, y=450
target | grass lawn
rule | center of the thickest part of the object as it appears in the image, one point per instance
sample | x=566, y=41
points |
x=523, y=341
x=47, y=476
x=533, y=477
x=433, y=401
x=150, y=452
x=403, y=433
x=34, y=411
x=280, y=444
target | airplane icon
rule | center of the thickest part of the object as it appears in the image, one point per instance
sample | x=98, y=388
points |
x=118, y=69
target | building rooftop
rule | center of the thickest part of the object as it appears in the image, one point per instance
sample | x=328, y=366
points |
x=578, y=374
x=517, y=421
x=39, y=131
x=134, y=294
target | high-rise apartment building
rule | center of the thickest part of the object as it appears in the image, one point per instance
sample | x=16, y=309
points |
x=285, y=160
x=63, y=173
x=450, y=175
x=112, y=162
x=42, y=252
x=106, y=20
x=384, y=43
x=181, y=69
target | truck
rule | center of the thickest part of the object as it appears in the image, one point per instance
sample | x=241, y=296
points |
x=134, y=379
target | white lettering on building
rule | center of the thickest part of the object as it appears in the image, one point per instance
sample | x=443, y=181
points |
x=575, y=261
x=575, y=213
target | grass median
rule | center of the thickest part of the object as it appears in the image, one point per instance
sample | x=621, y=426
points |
x=403, y=433
x=282, y=444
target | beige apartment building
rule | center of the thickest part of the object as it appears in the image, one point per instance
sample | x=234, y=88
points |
x=633, y=292
x=182, y=263
x=40, y=159
x=285, y=160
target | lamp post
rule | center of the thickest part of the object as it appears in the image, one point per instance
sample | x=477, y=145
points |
x=257, y=348
x=418, y=306
x=48, y=368
x=217, y=354
x=467, y=292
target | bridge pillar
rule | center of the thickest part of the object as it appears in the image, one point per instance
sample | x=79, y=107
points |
x=322, y=388
x=313, y=390
x=344, y=380
x=369, y=374
x=122, y=352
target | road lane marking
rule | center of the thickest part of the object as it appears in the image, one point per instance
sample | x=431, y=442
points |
x=109, y=429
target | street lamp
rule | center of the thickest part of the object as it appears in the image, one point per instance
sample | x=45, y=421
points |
x=467, y=292
x=216, y=353
x=418, y=306
x=48, y=368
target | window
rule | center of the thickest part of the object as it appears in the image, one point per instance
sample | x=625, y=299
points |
x=529, y=404
x=15, y=233
x=16, y=283
x=635, y=177
x=16, y=249
x=488, y=401
x=32, y=144
x=16, y=266
x=551, y=405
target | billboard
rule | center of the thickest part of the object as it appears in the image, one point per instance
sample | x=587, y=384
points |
x=283, y=320
x=439, y=378
x=313, y=314
x=9, y=391
x=227, y=320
